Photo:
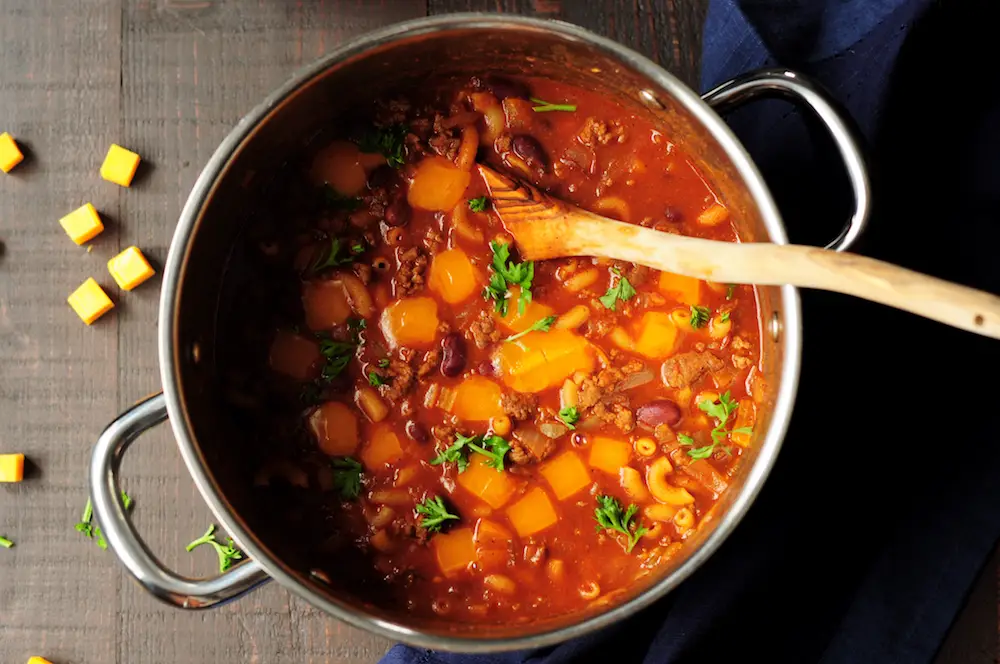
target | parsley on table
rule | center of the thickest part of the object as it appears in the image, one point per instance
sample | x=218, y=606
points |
x=540, y=325
x=479, y=204
x=86, y=526
x=609, y=515
x=6, y=543
x=570, y=415
x=434, y=513
x=493, y=447
x=622, y=290
x=346, y=477
x=730, y=291
x=332, y=257
x=507, y=273
x=335, y=201
x=387, y=141
x=376, y=380
x=699, y=316
x=546, y=106
x=227, y=552
x=338, y=355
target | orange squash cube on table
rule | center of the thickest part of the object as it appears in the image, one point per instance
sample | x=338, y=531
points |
x=89, y=301
x=130, y=268
x=82, y=224
x=119, y=165
x=11, y=467
x=10, y=154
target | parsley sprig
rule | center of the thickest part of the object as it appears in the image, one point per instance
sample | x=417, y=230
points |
x=86, y=526
x=434, y=513
x=540, y=325
x=346, y=477
x=493, y=447
x=546, y=106
x=6, y=543
x=338, y=355
x=570, y=415
x=699, y=316
x=621, y=290
x=388, y=141
x=609, y=515
x=507, y=273
x=479, y=204
x=331, y=257
x=227, y=552
x=375, y=380
x=721, y=410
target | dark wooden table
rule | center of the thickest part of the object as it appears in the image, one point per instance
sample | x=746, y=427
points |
x=168, y=79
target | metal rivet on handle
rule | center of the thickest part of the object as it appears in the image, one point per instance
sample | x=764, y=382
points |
x=774, y=326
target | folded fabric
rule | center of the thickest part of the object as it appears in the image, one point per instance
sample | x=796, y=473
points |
x=884, y=503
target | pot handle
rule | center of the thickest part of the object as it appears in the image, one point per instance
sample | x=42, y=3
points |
x=803, y=90
x=122, y=537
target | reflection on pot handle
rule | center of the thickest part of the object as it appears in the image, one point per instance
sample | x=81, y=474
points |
x=801, y=89
x=125, y=542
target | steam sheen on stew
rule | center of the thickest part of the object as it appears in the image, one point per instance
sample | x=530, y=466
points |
x=447, y=430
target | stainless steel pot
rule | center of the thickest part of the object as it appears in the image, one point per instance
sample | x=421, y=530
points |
x=201, y=263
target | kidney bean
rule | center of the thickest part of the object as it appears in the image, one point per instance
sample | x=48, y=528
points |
x=453, y=358
x=486, y=368
x=417, y=431
x=398, y=212
x=531, y=151
x=660, y=411
x=504, y=87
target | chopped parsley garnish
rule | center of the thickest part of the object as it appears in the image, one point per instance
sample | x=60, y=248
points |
x=375, y=380
x=332, y=257
x=384, y=362
x=724, y=317
x=546, y=106
x=387, y=141
x=730, y=291
x=540, y=325
x=493, y=447
x=570, y=415
x=622, y=290
x=357, y=248
x=507, y=273
x=434, y=514
x=479, y=204
x=346, y=477
x=334, y=201
x=227, y=552
x=6, y=543
x=699, y=316
x=88, y=528
x=721, y=410
x=338, y=355
x=609, y=515
x=356, y=324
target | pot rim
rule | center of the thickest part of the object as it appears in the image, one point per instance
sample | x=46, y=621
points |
x=170, y=352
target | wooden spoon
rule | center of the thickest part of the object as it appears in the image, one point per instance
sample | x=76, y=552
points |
x=544, y=227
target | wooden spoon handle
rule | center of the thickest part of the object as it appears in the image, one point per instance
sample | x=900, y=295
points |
x=582, y=234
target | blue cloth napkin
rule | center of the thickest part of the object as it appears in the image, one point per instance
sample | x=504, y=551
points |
x=885, y=502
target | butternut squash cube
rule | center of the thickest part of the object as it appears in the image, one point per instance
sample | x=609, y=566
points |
x=484, y=482
x=533, y=513
x=119, y=165
x=686, y=290
x=454, y=550
x=339, y=165
x=566, y=474
x=746, y=416
x=656, y=335
x=542, y=360
x=10, y=154
x=82, y=224
x=11, y=467
x=477, y=399
x=412, y=322
x=453, y=276
x=294, y=355
x=491, y=541
x=325, y=304
x=609, y=454
x=437, y=185
x=130, y=268
x=518, y=322
x=383, y=448
x=38, y=660
x=89, y=301
x=336, y=428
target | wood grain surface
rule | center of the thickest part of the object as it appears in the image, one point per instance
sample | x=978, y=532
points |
x=168, y=79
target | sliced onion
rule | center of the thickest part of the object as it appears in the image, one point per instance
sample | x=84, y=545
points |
x=553, y=429
x=636, y=379
x=590, y=424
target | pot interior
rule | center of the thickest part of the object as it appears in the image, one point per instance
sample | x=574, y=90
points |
x=220, y=279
